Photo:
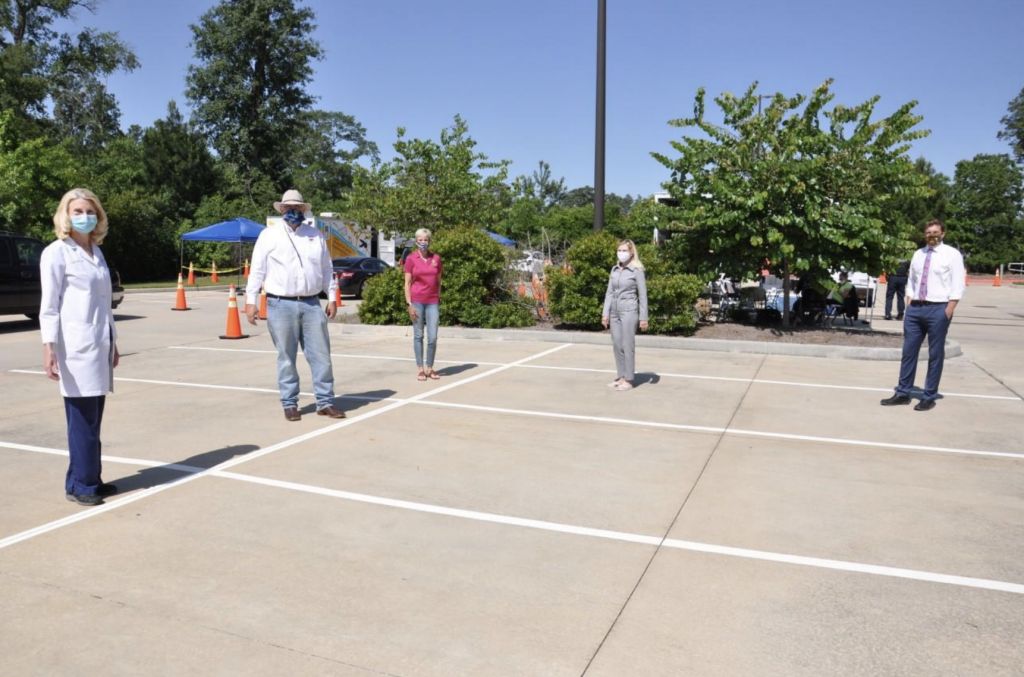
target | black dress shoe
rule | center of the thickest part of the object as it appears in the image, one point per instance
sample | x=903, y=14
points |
x=899, y=317
x=888, y=317
x=106, y=489
x=85, y=499
x=894, y=400
x=925, y=405
x=292, y=414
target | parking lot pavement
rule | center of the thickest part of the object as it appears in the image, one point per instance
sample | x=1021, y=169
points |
x=734, y=514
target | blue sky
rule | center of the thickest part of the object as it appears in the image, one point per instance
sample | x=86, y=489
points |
x=523, y=73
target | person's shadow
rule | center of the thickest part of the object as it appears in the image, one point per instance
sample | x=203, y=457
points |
x=456, y=369
x=147, y=478
x=645, y=378
x=350, y=402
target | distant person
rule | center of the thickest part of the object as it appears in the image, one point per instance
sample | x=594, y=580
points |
x=896, y=285
x=423, y=270
x=292, y=263
x=934, y=288
x=839, y=295
x=79, y=338
x=625, y=302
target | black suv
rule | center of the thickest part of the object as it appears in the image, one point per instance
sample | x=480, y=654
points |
x=20, y=290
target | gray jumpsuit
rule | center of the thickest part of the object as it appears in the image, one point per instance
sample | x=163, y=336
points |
x=625, y=304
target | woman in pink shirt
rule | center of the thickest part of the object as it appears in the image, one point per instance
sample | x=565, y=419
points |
x=423, y=295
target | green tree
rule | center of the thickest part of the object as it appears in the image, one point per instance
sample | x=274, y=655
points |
x=1013, y=127
x=248, y=87
x=783, y=187
x=540, y=186
x=431, y=184
x=33, y=176
x=178, y=164
x=325, y=150
x=38, y=64
x=986, y=203
x=913, y=211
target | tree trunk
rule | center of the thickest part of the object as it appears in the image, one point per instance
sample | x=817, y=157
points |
x=785, y=293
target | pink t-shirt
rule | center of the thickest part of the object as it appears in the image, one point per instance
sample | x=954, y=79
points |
x=426, y=277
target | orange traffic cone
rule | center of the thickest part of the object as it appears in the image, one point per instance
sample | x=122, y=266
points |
x=263, y=303
x=998, y=282
x=191, y=275
x=214, y=277
x=180, y=304
x=522, y=288
x=337, y=291
x=247, y=269
x=881, y=278
x=234, y=330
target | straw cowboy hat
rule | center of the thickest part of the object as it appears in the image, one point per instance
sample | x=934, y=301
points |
x=292, y=198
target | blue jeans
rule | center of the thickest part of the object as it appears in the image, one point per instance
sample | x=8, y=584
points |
x=301, y=323
x=84, y=415
x=921, y=321
x=429, y=313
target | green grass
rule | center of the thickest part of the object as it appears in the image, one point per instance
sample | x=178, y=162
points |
x=200, y=282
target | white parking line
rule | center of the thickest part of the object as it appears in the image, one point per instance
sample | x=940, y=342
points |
x=113, y=505
x=597, y=419
x=694, y=546
x=734, y=379
x=839, y=565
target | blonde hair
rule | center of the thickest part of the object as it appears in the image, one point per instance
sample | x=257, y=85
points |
x=635, y=261
x=62, y=221
x=423, y=231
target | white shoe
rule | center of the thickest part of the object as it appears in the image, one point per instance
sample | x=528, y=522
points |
x=625, y=385
x=613, y=384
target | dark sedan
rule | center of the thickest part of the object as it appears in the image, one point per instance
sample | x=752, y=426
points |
x=354, y=271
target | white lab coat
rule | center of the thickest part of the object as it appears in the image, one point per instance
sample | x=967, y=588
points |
x=75, y=316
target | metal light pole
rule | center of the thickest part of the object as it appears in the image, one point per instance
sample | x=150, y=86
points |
x=599, y=126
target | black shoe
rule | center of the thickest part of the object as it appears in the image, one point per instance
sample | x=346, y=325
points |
x=85, y=499
x=105, y=489
x=925, y=405
x=894, y=400
x=888, y=317
x=899, y=317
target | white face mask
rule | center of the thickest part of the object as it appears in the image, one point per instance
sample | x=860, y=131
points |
x=624, y=256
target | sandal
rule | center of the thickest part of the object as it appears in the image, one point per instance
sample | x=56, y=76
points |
x=421, y=376
x=433, y=376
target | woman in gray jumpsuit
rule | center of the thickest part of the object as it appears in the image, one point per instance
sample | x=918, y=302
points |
x=625, y=302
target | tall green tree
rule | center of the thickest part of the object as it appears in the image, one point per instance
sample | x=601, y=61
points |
x=913, y=211
x=986, y=203
x=249, y=83
x=325, y=151
x=540, y=186
x=1013, y=127
x=178, y=164
x=799, y=185
x=39, y=65
x=432, y=184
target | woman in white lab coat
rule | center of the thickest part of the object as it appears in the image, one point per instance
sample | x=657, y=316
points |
x=77, y=327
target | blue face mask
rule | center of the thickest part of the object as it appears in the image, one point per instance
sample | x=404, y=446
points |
x=293, y=219
x=423, y=246
x=84, y=223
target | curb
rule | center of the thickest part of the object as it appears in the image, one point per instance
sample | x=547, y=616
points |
x=953, y=348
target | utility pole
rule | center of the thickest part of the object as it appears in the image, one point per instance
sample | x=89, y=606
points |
x=599, y=126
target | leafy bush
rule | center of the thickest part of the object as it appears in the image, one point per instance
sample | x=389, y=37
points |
x=473, y=267
x=576, y=296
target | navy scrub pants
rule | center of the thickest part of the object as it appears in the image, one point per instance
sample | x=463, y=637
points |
x=84, y=414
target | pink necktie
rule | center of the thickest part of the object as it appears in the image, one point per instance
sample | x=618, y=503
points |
x=923, y=294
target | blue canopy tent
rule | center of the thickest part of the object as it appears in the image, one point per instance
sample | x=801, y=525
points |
x=501, y=239
x=238, y=230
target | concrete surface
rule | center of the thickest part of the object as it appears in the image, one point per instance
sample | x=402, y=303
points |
x=735, y=514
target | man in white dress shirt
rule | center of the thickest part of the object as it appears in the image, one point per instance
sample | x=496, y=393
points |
x=293, y=265
x=935, y=286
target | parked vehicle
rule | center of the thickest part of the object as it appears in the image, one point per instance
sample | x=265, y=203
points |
x=529, y=262
x=354, y=271
x=20, y=288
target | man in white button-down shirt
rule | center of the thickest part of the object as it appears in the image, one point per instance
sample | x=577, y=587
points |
x=935, y=286
x=293, y=265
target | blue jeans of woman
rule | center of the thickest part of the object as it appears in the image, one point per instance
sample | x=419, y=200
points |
x=294, y=323
x=84, y=415
x=426, y=313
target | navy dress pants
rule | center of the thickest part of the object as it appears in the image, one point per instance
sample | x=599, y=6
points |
x=921, y=321
x=84, y=414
